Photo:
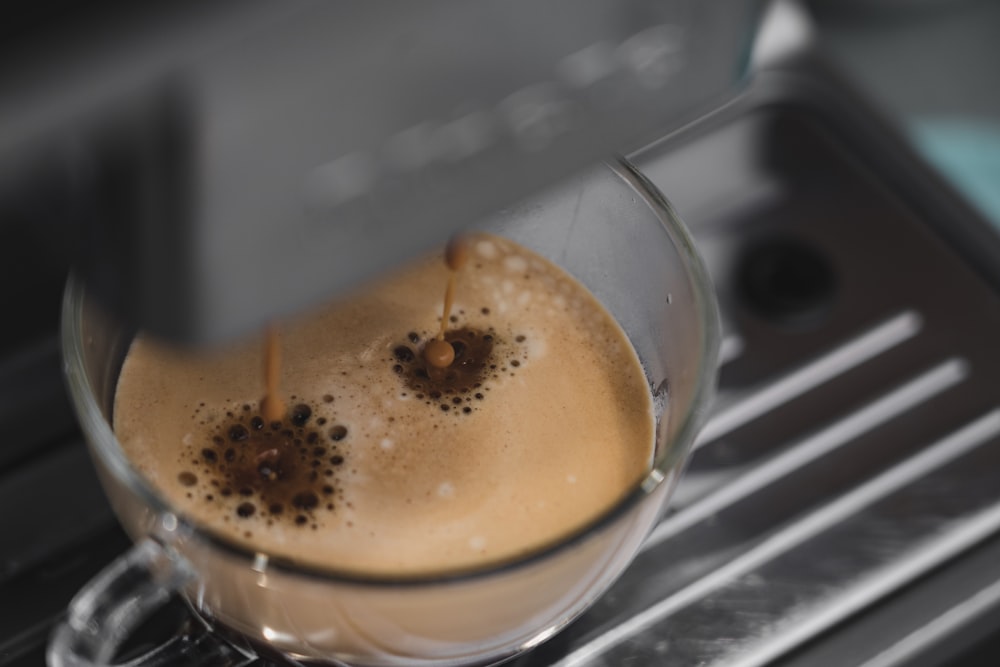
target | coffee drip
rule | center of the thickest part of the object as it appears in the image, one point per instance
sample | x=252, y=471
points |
x=272, y=406
x=440, y=352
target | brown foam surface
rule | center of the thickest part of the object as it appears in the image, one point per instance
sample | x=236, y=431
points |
x=386, y=469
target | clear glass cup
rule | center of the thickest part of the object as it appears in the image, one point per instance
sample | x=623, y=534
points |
x=617, y=235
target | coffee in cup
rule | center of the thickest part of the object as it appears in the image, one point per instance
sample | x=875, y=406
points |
x=383, y=463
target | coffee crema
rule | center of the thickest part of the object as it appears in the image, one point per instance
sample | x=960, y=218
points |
x=385, y=464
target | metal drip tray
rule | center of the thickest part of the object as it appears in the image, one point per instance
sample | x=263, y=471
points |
x=855, y=445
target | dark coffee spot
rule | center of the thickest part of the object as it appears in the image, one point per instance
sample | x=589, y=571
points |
x=209, y=455
x=246, y=510
x=473, y=352
x=336, y=459
x=519, y=339
x=327, y=489
x=305, y=500
x=273, y=468
x=479, y=396
x=301, y=520
x=320, y=421
x=404, y=354
x=257, y=423
x=397, y=369
x=338, y=433
x=515, y=363
x=466, y=409
x=414, y=337
x=238, y=433
x=301, y=414
x=187, y=478
x=327, y=398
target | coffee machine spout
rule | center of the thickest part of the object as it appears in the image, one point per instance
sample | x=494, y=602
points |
x=230, y=164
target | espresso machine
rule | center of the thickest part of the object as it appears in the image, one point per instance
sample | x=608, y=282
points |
x=209, y=168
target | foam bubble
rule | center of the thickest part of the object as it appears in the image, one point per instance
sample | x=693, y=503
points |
x=387, y=443
x=515, y=264
x=537, y=346
x=486, y=249
x=187, y=439
x=507, y=287
x=571, y=478
x=446, y=490
x=477, y=543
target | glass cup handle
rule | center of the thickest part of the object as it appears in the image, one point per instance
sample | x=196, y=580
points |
x=115, y=602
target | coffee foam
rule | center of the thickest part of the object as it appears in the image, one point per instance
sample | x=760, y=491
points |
x=549, y=428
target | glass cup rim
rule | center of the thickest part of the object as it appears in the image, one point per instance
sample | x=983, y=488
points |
x=104, y=444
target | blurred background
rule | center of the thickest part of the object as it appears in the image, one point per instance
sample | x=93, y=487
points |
x=932, y=64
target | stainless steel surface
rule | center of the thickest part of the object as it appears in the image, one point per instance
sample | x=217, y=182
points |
x=851, y=455
x=235, y=162
x=940, y=620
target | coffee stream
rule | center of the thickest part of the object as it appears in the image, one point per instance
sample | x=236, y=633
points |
x=282, y=463
x=439, y=352
x=272, y=406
